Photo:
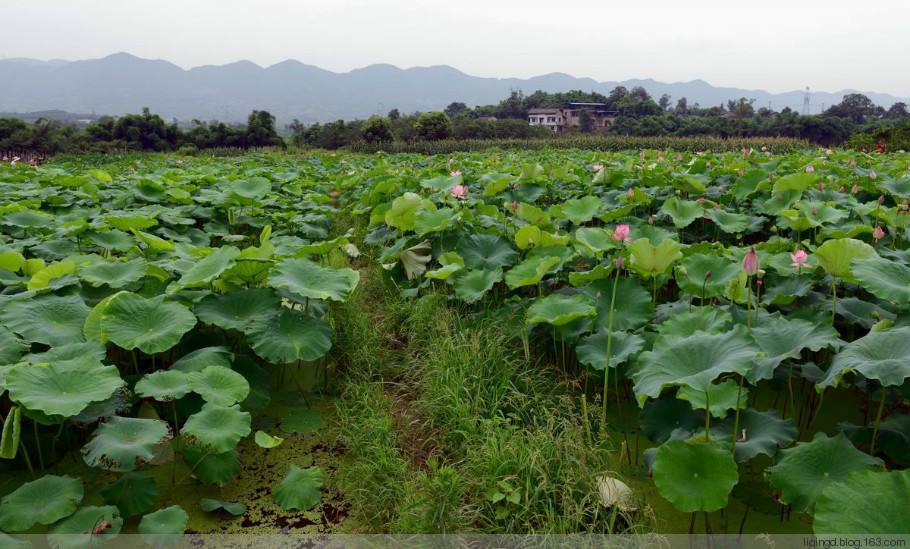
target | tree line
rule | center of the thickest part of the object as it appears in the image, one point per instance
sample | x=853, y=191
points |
x=136, y=132
x=855, y=121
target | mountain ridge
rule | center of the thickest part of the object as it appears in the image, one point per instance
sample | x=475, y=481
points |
x=121, y=83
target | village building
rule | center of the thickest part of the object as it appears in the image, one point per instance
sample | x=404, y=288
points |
x=567, y=118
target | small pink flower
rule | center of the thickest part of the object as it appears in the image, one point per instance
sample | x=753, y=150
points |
x=799, y=258
x=855, y=189
x=597, y=167
x=455, y=173
x=514, y=206
x=810, y=169
x=841, y=189
x=621, y=233
x=872, y=174
x=828, y=152
x=751, y=263
x=740, y=172
x=881, y=199
x=460, y=191
x=630, y=194
x=619, y=262
x=764, y=148
x=878, y=233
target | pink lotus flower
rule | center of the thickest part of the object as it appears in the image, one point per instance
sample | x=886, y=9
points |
x=810, y=169
x=621, y=233
x=828, y=152
x=751, y=263
x=764, y=148
x=841, y=189
x=855, y=189
x=881, y=199
x=630, y=194
x=597, y=167
x=740, y=172
x=872, y=174
x=460, y=191
x=455, y=173
x=799, y=258
x=878, y=233
x=514, y=206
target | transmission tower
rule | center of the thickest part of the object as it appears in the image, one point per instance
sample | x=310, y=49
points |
x=807, y=105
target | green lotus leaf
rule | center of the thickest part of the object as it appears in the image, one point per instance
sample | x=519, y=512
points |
x=301, y=489
x=712, y=320
x=209, y=469
x=77, y=529
x=865, y=502
x=797, y=181
x=785, y=291
x=682, y=212
x=72, y=351
x=11, y=260
x=115, y=274
x=433, y=221
x=889, y=280
x=651, y=261
x=27, y=219
x=64, y=388
x=781, y=338
x=486, y=251
x=12, y=430
x=403, y=211
x=883, y=356
x=49, y=319
x=152, y=325
x=893, y=437
x=206, y=269
x=251, y=189
x=451, y=263
x=632, y=308
x=123, y=443
x=694, y=476
x=804, y=471
x=308, y=279
x=594, y=239
x=202, y=358
x=559, y=309
x=133, y=494
x=219, y=385
x=153, y=242
x=533, y=215
x=163, y=385
x=765, y=433
x=302, y=421
x=531, y=271
x=695, y=361
x=728, y=222
x=835, y=256
x=265, y=440
x=579, y=210
x=118, y=403
x=130, y=222
x=11, y=347
x=694, y=279
x=414, y=259
x=722, y=397
x=289, y=336
x=45, y=276
x=164, y=526
x=42, y=501
x=235, y=508
x=581, y=278
x=663, y=416
x=11, y=542
x=113, y=239
x=471, y=286
x=91, y=329
x=217, y=428
x=592, y=350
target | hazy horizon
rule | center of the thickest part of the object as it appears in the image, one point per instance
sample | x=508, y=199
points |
x=778, y=47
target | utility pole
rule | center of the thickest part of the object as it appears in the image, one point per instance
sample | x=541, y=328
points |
x=807, y=105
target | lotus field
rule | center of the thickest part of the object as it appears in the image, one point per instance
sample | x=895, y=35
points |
x=730, y=329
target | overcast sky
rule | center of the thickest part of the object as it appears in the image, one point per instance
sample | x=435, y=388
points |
x=777, y=45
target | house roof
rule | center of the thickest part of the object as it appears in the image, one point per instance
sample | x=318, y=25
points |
x=543, y=111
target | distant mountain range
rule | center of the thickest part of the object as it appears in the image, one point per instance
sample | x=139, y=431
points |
x=123, y=83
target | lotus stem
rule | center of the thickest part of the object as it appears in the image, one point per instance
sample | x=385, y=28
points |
x=833, y=299
x=610, y=343
x=707, y=416
x=28, y=461
x=739, y=393
x=878, y=420
x=38, y=444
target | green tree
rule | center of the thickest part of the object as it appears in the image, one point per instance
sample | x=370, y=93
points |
x=455, y=109
x=586, y=121
x=432, y=126
x=377, y=129
x=855, y=107
x=260, y=130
